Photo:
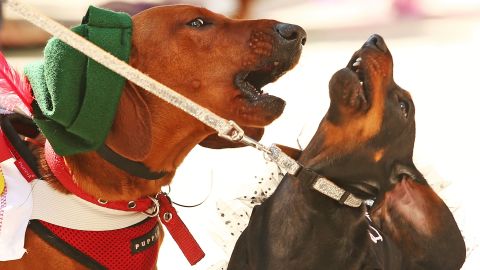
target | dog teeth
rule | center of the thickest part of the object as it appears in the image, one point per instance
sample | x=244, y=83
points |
x=357, y=62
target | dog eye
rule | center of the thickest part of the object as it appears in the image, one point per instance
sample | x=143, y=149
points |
x=197, y=23
x=404, y=107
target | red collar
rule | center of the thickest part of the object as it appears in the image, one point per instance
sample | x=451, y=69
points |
x=163, y=207
x=57, y=165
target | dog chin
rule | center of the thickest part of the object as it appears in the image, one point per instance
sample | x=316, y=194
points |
x=261, y=111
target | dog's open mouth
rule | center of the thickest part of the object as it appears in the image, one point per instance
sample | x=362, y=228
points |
x=251, y=83
x=362, y=93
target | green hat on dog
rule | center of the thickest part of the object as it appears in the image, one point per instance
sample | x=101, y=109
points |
x=76, y=97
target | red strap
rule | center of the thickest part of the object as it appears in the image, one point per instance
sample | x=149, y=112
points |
x=56, y=164
x=180, y=233
x=8, y=151
x=4, y=149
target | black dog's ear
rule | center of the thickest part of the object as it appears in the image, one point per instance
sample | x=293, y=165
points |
x=409, y=170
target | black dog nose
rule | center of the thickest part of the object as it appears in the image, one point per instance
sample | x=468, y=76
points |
x=291, y=32
x=377, y=41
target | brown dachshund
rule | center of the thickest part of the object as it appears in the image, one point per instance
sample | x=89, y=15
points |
x=220, y=63
x=364, y=145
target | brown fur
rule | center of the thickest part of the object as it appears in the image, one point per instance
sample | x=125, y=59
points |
x=416, y=218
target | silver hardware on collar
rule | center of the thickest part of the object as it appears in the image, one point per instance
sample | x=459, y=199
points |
x=102, y=201
x=283, y=160
x=166, y=193
x=132, y=204
x=375, y=238
x=327, y=187
x=369, y=202
x=167, y=216
x=156, y=208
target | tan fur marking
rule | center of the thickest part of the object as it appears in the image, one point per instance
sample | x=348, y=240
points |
x=359, y=130
x=378, y=155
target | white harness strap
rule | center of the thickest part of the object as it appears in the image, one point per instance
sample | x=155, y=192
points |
x=70, y=211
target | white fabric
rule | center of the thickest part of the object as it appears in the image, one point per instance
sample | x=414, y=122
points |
x=235, y=213
x=16, y=212
x=70, y=211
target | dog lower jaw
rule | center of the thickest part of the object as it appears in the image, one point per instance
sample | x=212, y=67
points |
x=259, y=113
x=250, y=84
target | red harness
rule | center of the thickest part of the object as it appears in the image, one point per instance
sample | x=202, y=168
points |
x=134, y=247
x=129, y=242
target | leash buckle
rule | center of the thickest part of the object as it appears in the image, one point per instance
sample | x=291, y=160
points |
x=283, y=160
x=235, y=133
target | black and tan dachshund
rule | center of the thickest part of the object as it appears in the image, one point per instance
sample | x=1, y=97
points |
x=364, y=145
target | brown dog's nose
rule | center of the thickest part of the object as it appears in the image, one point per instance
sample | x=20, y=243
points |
x=291, y=32
x=377, y=41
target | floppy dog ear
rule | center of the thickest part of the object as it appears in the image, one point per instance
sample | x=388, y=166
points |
x=130, y=135
x=215, y=142
x=422, y=226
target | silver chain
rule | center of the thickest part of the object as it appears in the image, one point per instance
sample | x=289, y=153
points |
x=226, y=129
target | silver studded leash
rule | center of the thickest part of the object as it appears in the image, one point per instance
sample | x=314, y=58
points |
x=226, y=129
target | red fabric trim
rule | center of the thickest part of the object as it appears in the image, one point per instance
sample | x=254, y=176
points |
x=57, y=165
x=5, y=152
x=8, y=151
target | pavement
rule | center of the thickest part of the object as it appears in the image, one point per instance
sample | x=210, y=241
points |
x=436, y=58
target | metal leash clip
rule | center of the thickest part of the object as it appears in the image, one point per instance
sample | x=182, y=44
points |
x=156, y=208
x=235, y=133
x=283, y=160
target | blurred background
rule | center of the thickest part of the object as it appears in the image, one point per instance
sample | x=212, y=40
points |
x=435, y=45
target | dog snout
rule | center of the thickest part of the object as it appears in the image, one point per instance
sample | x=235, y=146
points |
x=291, y=33
x=377, y=41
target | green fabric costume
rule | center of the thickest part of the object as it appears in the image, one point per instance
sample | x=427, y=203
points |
x=76, y=97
